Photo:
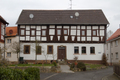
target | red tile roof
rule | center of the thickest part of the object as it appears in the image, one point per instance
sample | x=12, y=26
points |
x=11, y=31
x=116, y=34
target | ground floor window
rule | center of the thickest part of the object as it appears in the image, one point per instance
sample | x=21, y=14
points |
x=49, y=49
x=116, y=55
x=26, y=49
x=8, y=54
x=38, y=50
x=83, y=50
x=76, y=50
x=92, y=50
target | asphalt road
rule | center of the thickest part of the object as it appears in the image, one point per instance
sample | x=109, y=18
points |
x=86, y=75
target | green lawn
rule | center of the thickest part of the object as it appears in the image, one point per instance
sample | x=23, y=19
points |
x=32, y=65
x=93, y=66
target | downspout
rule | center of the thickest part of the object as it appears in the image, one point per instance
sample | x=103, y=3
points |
x=4, y=40
x=110, y=55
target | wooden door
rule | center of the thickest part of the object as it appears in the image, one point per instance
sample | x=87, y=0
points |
x=61, y=52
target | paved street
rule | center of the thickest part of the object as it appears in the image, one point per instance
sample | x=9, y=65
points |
x=87, y=75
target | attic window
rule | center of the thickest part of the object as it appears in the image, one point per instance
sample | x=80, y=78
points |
x=71, y=16
x=10, y=31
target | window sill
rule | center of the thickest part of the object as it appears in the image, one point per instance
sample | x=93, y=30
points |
x=92, y=53
x=76, y=54
x=83, y=54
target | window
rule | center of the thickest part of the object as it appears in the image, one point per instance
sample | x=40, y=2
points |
x=59, y=32
x=32, y=32
x=94, y=32
x=65, y=32
x=116, y=55
x=116, y=42
x=111, y=55
x=22, y=32
x=107, y=56
x=83, y=33
x=92, y=50
x=26, y=49
x=8, y=40
x=83, y=50
x=43, y=32
x=76, y=50
x=38, y=50
x=111, y=44
x=50, y=49
x=8, y=54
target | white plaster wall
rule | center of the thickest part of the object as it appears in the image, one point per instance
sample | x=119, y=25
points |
x=32, y=26
x=95, y=38
x=78, y=27
x=27, y=27
x=82, y=27
x=73, y=32
x=38, y=28
x=66, y=27
x=82, y=38
x=73, y=27
x=99, y=50
x=22, y=38
x=43, y=38
x=95, y=27
x=22, y=26
x=27, y=32
x=38, y=32
x=78, y=32
x=52, y=26
x=88, y=32
x=59, y=26
x=32, y=38
x=101, y=32
x=44, y=27
x=51, y=31
x=88, y=38
x=27, y=38
x=88, y=27
x=102, y=27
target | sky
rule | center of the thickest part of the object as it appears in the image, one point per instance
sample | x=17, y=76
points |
x=11, y=9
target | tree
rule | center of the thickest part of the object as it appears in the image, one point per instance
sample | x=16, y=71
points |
x=2, y=50
x=15, y=48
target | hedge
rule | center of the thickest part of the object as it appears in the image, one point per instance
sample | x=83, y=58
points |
x=16, y=74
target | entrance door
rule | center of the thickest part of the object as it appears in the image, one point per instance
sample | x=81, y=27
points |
x=61, y=52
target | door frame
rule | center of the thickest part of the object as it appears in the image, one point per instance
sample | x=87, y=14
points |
x=65, y=51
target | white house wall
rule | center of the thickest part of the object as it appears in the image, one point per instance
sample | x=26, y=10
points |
x=99, y=50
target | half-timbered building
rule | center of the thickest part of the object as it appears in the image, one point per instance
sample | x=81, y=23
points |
x=66, y=33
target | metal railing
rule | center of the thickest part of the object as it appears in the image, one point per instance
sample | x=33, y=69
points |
x=116, y=68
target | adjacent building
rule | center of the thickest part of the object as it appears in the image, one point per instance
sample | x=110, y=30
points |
x=113, y=48
x=11, y=44
x=64, y=33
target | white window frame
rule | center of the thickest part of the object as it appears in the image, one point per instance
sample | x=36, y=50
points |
x=9, y=40
x=116, y=55
x=116, y=42
x=8, y=54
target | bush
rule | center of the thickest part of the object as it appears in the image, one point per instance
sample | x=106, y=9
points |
x=34, y=72
x=16, y=74
x=4, y=62
x=54, y=63
x=81, y=66
x=72, y=66
x=104, y=60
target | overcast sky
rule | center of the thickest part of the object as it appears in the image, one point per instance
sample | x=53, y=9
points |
x=11, y=9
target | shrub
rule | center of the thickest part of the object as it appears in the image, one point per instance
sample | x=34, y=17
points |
x=34, y=72
x=6, y=74
x=54, y=63
x=81, y=66
x=4, y=62
x=104, y=60
x=16, y=74
x=72, y=66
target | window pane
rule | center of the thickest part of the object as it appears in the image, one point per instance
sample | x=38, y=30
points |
x=8, y=54
x=92, y=49
x=116, y=55
x=50, y=49
x=83, y=49
x=33, y=32
x=83, y=32
x=22, y=32
x=27, y=49
x=58, y=32
x=8, y=40
x=43, y=33
x=76, y=49
x=65, y=31
x=94, y=32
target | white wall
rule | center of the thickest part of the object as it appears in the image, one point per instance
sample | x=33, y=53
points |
x=99, y=50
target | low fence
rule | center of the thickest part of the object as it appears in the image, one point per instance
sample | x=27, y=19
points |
x=116, y=69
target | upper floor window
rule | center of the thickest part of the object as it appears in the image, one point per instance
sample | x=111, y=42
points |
x=50, y=49
x=116, y=55
x=38, y=50
x=26, y=49
x=8, y=54
x=32, y=32
x=111, y=55
x=83, y=33
x=76, y=49
x=59, y=32
x=22, y=32
x=111, y=44
x=83, y=50
x=92, y=50
x=8, y=40
x=116, y=43
x=94, y=32
x=65, y=32
x=43, y=32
